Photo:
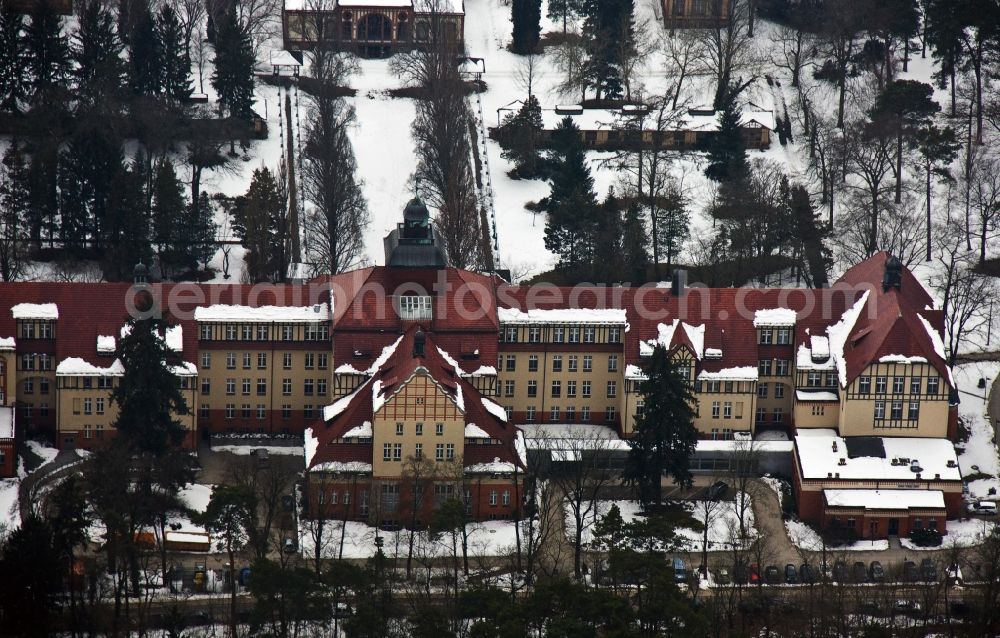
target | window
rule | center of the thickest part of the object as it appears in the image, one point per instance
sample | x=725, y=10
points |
x=397, y=452
x=570, y=413
x=764, y=367
x=783, y=367
x=766, y=336
x=557, y=363
x=287, y=333
x=571, y=389
x=99, y=406
x=204, y=332
x=818, y=410
x=323, y=361
x=510, y=334
x=784, y=336
x=612, y=389
x=897, y=385
x=532, y=363
x=761, y=415
x=609, y=413
x=613, y=363
x=230, y=387
x=493, y=498
x=439, y=429
x=556, y=389
x=573, y=363
x=321, y=387
x=307, y=411
x=585, y=413
x=814, y=379
x=534, y=334
x=307, y=387
x=261, y=387
x=245, y=410
x=261, y=360
x=230, y=360
x=864, y=385
x=286, y=411
x=415, y=307
x=574, y=335
x=554, y=413
x=246, y=360
x=450, y=451
x=778, y=414
x=505, y=499
x=399, y=429
x=29, y=386
x=286, y=387
x=247, y=332
x=588, y=363
x=387, y=451
x=529, y=413
x=779, y=391
x=532, y=388
x=262, y=332
x=879, y=410
x=261, y=411
x=231, y=332
x=245, y=386
x=204, y=411
x=310, y=361
x=419, y=429
x=508, y=388
x=206, y=360
x=727, y=410
x=418, y=451
x=88, y=406
x=880, y=385
x=762, y=390
x=915, y=385
x=913, y=411
x=558, y=334
x=932, y=385
x=206, y=386
x=589, y=334
x=509, y=411
x=614, y=335
x=715, y=409
x=511, y=363
x=585, y=389
x=896, y=410
x=230, y=410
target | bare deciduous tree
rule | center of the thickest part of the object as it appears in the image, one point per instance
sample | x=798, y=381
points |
x=730, y=53
x=965, y=294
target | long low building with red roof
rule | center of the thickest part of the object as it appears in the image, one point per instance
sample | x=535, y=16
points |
x=337, y=360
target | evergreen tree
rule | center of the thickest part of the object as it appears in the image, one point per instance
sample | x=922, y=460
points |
x=565, y=10
x=571, y=204
x=89, y=165
x=607, y=263
x=14, y=205
x=259, y=221
x=14, y=76
x=811, y=233
x=200, y=229
x=904, y=106
x=100, y=71
x=31, y=582
x=145, y=52
x=168, y=219
x=46, y=53
x=148, y=395
x=526, y=16
x=233, y=76
x=176, y=74
x=609, y=37
x=126, y=234
x=665, y=436
x=520, y=132
x=43, y=195
x=635, y=255
x=672, y=224
x=727, y=155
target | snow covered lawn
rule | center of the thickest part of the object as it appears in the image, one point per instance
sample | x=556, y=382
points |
x=805, y=537
x=961, y=533
x=245, y=450
x=979, y=453
x=42, y=451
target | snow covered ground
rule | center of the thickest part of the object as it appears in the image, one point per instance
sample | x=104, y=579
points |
x=722, y=531
x=43, y=451
x=805, y=537
x=245, y=450
x=979, y=453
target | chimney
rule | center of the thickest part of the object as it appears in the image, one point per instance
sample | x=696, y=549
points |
x=893, y=276
x=419, y=341
x=678, y=281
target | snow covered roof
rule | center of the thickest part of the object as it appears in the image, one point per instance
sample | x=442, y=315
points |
x=7, y=343
x=667, y=335
x=473, y=431
x=804, y=360
x=611, y=316
x=105, y=344
x=309, y=444
x=361, y=431
x=263, y=314
x=354, y=467
x=815, y=395
x=174, y=338
x=821, y=451
x=495, y=409
x=420, y=6
x=609, y=119
x=571, y=436
x=885, y=499
x=744, y=373
x=35, y=311
x=6, y=422
x=75, y=366
x=285, y=58
x=496, y=466
x=759, y=445
x=839, y=333
x=774, y=317
x=938, y=346
x=634, y=373
x=185, y=369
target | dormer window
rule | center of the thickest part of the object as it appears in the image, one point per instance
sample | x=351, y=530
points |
x=415, y=307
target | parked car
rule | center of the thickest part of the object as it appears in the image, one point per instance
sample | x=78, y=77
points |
x=840, y=571
x=754, y=573
x=680, y=571
x=910, y=572
x=906, y=607
x=928, y=571
x=791, y=576
x=771, y=575
x=876, y=572
x=718, y=491
x=806, y=574
x=984, y=508
x=722, y=577
x=740, y=574
x=263, y=457
x=288, y=546
x=860, y=572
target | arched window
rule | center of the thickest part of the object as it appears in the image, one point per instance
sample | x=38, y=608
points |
x=347, y=26
x=423, y=30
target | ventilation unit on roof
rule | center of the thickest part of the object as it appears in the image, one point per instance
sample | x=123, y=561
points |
x=833, y=446
x=915, y=467
x=843, y=461
x=952, y=463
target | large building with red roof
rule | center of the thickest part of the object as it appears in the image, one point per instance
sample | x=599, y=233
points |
x=419, y=374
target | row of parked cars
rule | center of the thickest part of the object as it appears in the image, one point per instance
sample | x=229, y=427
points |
x=859, y=572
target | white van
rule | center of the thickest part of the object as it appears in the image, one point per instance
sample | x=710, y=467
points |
x=986, y=508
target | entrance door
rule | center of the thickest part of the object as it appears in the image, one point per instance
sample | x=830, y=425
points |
x=893, y=527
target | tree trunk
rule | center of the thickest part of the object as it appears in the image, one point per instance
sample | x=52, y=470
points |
x=928, y=211
x=899, y=163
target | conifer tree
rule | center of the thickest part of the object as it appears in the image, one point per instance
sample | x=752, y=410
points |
x=259, y=221
x=727, y=155
x=148, y=395
x=86, y=179
x=168, y=217
x=14, y=76
x=145, y=54
x=608, y=37
x=607, y=262
x=571, y=203
x=635, y=255
x=43, y=195
x=665, y=435
x=199, y=231
x=13, y=213
x=526, y=16
x=176, y=75
x=125, y=234
x=100, y=71
x=233, y=76
x=46, y=53
x=565, y=10
x=672, y=224
x=811, y=233
x=521, y=132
